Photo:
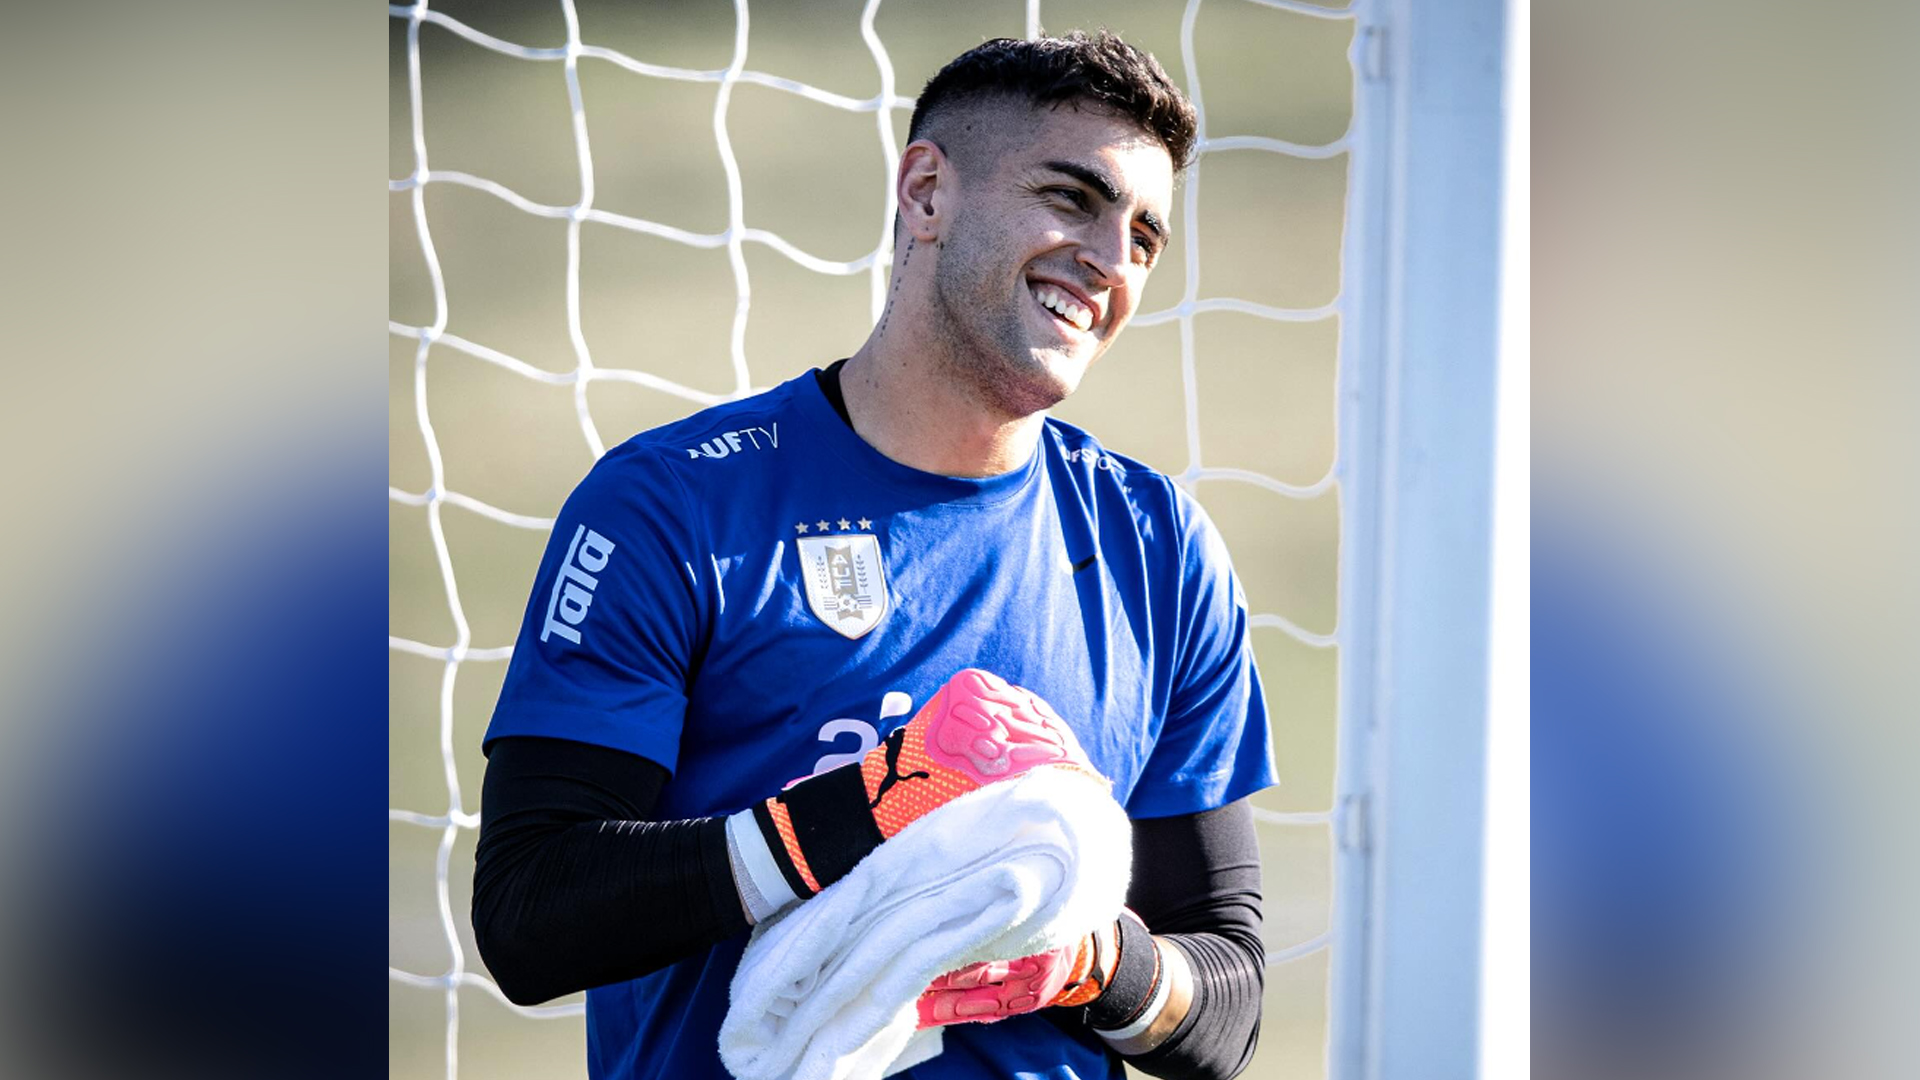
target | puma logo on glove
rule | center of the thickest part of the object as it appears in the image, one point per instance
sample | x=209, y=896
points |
x=894, y=742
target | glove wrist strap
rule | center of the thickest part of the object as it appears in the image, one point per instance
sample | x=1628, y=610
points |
x=819, y=828
x=1136, y=976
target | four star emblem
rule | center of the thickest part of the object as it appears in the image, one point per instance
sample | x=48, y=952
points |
x=866, y=525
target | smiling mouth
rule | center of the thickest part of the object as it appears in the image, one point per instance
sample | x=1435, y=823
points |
x=1063, y=306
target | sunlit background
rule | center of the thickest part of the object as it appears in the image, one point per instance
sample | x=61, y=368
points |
x=1267, y=226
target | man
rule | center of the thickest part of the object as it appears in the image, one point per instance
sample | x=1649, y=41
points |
x=757, y=594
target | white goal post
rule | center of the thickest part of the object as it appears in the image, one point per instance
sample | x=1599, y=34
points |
x=1418, y=393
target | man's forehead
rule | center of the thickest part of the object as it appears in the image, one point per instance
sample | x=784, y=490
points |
x=1132, y=163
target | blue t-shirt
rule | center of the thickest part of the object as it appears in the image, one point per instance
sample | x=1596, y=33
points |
x=754, y=594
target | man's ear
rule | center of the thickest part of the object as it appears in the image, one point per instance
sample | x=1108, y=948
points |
x=925, y=189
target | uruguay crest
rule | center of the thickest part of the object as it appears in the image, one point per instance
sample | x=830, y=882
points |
x=846, y=584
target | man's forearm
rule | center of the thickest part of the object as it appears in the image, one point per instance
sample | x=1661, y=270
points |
x=573, y=889
x=1196, y=884
x=1212, y=1035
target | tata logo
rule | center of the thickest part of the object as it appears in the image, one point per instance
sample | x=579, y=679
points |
x=573, y=587
x=728, y=442
x=846, y=583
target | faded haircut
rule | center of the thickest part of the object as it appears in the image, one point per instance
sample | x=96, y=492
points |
x=1096, y=70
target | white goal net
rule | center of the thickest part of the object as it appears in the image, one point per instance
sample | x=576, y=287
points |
x=604, y=218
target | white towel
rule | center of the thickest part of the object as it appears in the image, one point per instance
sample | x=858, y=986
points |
x=826, y=990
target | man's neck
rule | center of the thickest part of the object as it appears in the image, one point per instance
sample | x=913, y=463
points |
x=918, y=416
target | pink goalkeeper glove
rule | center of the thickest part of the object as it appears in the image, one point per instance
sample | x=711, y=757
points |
x=996, y=989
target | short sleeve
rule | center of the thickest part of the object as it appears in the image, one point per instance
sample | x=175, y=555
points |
x=1214, y=745
x=607, y=646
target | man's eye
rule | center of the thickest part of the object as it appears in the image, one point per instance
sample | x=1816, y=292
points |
x=1073, y=195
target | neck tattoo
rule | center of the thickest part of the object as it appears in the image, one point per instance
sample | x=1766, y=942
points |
x=894, y=293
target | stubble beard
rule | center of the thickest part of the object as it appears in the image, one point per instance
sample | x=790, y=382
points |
x=986, y=346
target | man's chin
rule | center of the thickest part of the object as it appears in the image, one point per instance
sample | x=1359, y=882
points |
x=1061, y=371
x=1031, y=384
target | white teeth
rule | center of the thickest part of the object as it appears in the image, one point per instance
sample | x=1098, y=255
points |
x=1056, y=300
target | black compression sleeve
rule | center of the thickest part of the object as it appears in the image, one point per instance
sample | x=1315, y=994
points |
x=1196, y=881
x=573, y=887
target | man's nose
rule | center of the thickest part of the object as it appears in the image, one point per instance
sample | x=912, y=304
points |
x=1104, y=252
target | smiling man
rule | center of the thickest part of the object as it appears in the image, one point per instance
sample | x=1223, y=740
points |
x=1035, y=229
x=739, y=660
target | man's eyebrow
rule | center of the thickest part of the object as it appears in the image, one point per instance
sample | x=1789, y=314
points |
x=1099, y=182
x=1090, y=177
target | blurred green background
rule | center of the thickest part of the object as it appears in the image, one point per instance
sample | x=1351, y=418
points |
x=1269, y=229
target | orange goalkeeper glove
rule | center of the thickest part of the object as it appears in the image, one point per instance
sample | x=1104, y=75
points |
x=976, y=730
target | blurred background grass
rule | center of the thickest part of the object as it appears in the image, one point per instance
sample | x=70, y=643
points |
x=1269, y=229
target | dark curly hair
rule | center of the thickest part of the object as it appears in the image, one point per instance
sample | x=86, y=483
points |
x=1096, y=69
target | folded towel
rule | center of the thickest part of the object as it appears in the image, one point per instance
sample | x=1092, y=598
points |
x=826, y=989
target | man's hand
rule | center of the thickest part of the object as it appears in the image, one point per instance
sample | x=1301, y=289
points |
x=989, y=732
x=994, y=990
x=976, y=730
